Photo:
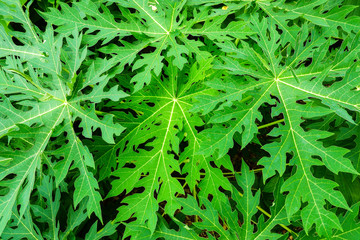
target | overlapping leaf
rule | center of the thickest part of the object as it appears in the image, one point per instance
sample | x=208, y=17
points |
x=239, y=109
x=149, y=151
x=43, y=107
x=161, y=26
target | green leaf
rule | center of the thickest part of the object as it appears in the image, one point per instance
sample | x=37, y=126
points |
x=48, y=213
x=208, y=215
x=22, y=227
x=108, y=230
x=246, y=205
x=240, y=115
x=36, y=121
x=161, y=26
x=315, y=12
x=161, y=128
x=351, y=227
x=24, y=166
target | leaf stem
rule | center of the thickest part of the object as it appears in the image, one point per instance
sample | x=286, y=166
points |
x=271, y=124
x=195, y=196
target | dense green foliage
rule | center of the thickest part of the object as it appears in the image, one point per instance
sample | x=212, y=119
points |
x=193, y=119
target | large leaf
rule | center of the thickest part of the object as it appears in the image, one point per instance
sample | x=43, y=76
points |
x=158, y=25
x=155, y=133
x=44, y=111
x=298, y=96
